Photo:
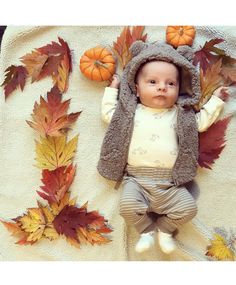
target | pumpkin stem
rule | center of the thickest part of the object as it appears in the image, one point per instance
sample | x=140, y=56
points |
x=181, y=31
x=98, y=63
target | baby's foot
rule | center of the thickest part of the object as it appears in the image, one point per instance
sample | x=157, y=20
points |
x=145, y=242
x=166, y=242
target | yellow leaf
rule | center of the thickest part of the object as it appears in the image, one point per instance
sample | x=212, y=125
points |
x=33, y=223
x=54, y=152
x=50, y=233
x=219, y=249
x=61, y=79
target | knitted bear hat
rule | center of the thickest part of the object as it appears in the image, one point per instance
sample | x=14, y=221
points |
x=144, y=52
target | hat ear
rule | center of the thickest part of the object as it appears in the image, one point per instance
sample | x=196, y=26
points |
x=137, y=47
x=186, y=51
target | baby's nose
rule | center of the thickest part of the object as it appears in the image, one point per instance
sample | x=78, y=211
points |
x=161, y=87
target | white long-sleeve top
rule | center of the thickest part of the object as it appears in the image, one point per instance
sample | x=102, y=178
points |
x=154, y=141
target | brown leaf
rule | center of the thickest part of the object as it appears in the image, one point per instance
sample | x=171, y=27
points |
x=125, y=40
x=209, y=82
x=56, y=183
x=208, y=55
x=212, y=142
x=14, y=76
x=50, y=117
x=79, y=225
x=34, y=63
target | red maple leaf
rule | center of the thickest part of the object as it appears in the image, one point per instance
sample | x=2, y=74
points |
x=208, y=54
x=56, y=183
x=14, y=76
x=212, y=142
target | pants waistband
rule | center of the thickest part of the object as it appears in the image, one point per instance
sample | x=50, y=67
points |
x=150, y=172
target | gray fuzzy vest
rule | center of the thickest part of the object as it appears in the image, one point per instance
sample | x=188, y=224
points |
x=115, y=147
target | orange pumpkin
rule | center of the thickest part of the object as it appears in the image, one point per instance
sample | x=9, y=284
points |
x=98, y=64
x=180, y=35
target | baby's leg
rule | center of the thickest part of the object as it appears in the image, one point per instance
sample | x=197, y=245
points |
x=178, y=207
x=134, y=206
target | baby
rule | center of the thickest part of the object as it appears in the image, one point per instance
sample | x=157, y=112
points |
x=160, y=155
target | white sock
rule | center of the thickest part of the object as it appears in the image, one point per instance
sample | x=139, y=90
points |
x=145, y=242
x=166, y=242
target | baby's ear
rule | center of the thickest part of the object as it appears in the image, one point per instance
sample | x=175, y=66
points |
x=137, y=47
x=186, y=51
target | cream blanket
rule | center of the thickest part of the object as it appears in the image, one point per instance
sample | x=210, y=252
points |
x=19, y=179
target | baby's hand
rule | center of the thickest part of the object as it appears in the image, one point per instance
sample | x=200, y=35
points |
x=222, y=93
x=115, y=83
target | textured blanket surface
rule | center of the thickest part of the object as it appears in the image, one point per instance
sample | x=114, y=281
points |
x=19, y=179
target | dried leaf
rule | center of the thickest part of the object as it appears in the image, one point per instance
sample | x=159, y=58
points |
x=57, y=207
x=54, y=152
x=14, y=76
x=34, y=63
x=56, y=183
x=208, y=55
x=212, y=142
x=16, y=231
x=78, y=225
x=219, y=249
x=209, y=82
x=61, y=78
x=125, y=40
x=50, y=117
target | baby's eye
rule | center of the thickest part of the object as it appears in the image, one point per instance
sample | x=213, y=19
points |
x=152, y=81
x=171, y=83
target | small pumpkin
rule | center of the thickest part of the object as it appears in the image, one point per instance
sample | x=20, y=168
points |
x=98, y=64
x=180, y=35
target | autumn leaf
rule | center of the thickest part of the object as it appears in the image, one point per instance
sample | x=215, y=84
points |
x=125, y=40
x=219, y=249
x=50, y=117
x=78, y=225
x=212, y=142
x=208, y=55
x=32, y=226
x=54, y=152
x=56, y=183
x=55, y=48
x=58, y=64
x=34, y=63
x=58, y=206
x=14, y=76
x=16, y=231
x=61, y=78
x=209, y=82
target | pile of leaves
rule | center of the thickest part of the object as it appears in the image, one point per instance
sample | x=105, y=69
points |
x=51, y=60
x=58, y=215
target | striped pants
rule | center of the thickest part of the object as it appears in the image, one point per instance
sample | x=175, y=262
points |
x=149, y=191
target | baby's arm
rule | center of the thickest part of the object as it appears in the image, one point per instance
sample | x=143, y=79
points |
x=109, y=100
x=211, y=110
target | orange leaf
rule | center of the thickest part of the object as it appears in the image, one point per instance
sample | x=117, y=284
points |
x=61, y=78
x=14, y=76
x=16, y=231
x=125, y=40
x=50, y=117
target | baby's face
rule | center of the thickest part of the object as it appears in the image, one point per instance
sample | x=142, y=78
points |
x=158, y=84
